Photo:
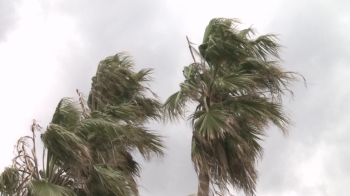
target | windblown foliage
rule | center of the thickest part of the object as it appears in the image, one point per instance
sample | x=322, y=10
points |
x=237, y=86
x=87, y=149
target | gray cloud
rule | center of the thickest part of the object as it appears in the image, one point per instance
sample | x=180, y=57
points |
x=8, y=17
x=315, y=36
x=152, y=33
x=317, y=47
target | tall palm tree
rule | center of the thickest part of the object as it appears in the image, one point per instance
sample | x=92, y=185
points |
x=236, y=86
x=87, y=149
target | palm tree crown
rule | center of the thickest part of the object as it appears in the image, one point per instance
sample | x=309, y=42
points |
x=237, y=86
x=87, y=148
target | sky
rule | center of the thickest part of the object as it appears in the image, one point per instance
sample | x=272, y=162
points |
x=50, y=48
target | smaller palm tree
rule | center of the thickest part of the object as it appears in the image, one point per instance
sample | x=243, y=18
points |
x=87, y=149
x=25, y=178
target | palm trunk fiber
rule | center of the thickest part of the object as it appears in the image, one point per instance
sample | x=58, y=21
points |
x=203, y=184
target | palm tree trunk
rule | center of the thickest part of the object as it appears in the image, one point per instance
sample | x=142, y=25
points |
x=203, y=183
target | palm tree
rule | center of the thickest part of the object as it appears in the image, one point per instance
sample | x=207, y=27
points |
x=87, y=149
x=25, y=178
x=236, y=87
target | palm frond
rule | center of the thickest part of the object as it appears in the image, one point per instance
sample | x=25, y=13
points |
x=115, y=182
x=125, y=112
x=266, y=47
x=218, y=26
x=175, y=106
x=114, y=81
x=42, y=188
x=260, y=111
x=119, y=91
x=234, y=83
x=104, y=134
x=150, y=108
x=144, y=75
x=9, y=181
x=67, y=113
x=65, y=144
x=211, y=123
x=241, y=170
x=148, y=143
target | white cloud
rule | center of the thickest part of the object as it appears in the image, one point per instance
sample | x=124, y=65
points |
x=30, y=71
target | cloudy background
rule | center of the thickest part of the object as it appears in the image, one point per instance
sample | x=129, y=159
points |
x=47, y=50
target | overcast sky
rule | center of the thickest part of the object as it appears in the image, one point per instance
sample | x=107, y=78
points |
x=47, y=50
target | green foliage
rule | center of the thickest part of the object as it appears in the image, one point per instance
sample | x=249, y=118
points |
x=87, y=149
x=45, y=188
x=9, y=181
x=237, y=86
x=117, y=90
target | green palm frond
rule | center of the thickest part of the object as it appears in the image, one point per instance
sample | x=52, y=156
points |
x=223, y=41
x=104, y=134
x=128, y=165
x=67, y=113
x=150, y=108
x=212, y=123
x=9, y=181
x=191, y=87
x=250, y=136
x=218, y=27
x=235, y=83
x=230, y=161
x=106, y=139
x=42, y=188
x=91, y=128
x=246, y=34
x=114, y=82
x=265, y=47
x=175, y=105
x=119, y=91
x=241, y=166
x=126, y=112
x=147, y=142
x=114, y=181
x=143, y=75
x=200, y=152
x=65, y=144
x=260, y=111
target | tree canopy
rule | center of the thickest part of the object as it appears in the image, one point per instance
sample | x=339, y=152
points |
x=236, y=84
x=88, y=145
